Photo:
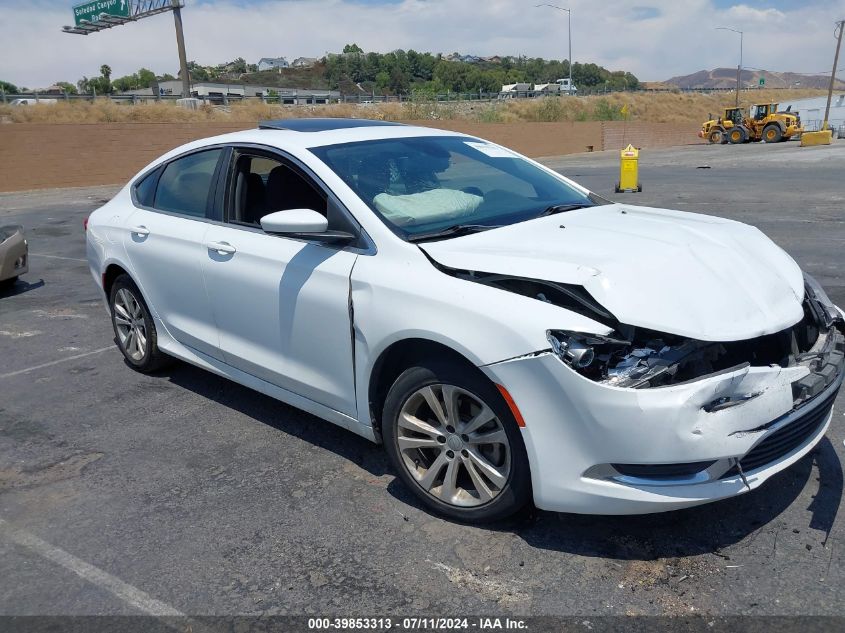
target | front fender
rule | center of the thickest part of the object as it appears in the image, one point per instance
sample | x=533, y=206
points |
x=392, y=301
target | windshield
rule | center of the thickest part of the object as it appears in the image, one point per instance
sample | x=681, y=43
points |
x=427, y=185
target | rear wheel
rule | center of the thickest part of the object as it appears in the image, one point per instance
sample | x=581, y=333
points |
x=716, y=137
x=772, y=134
x=134, y=328
x=453, y=441
x=737, y=135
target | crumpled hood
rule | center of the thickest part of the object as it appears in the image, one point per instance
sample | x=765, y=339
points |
x=681, y=273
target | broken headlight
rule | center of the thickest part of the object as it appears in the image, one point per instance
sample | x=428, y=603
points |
x=648, y=360
x=584, y=352
x=825, y=312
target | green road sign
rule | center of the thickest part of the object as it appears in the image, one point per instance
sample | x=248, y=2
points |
x=91, y=11
x=762, y=81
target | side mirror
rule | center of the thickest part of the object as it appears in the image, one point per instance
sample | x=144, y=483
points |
x=294, y=221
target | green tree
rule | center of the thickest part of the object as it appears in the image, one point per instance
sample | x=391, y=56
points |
x=197, y=72
x=146, y=78
x=67, y=87
x=352, y=48
x=7, y=87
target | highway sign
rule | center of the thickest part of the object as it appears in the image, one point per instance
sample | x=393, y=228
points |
x=91, y=11
x=762, y=81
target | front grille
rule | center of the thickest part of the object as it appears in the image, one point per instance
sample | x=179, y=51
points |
x=786, y=439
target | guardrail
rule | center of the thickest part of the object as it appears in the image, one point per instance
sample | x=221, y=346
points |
x=318, y=99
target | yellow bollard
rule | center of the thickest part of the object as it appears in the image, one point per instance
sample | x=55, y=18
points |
x=629, y=181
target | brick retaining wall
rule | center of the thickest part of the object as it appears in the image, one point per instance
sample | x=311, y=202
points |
x=40, y=156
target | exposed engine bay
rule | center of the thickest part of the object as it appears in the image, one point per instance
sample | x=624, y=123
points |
x=637, y=358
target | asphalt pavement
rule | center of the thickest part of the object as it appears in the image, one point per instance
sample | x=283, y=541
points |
x=183, y=492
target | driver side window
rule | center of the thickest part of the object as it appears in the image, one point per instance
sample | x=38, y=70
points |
x=263, y=185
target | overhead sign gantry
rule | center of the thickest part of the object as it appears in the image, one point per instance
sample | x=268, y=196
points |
x=98, y=15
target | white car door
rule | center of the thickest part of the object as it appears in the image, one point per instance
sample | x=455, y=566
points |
x=281, y=304
x=165, y=242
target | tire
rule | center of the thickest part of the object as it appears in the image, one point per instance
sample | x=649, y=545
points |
x=7, y=284
x=416, y=450
x=716, y=137
x=737, y=135
x=134, y=328
x=772, y=134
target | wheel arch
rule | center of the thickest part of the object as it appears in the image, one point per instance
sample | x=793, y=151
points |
x=399, y=356
x=111, y=273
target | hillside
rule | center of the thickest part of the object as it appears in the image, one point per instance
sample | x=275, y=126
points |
x=313, y=77
x=726, y=78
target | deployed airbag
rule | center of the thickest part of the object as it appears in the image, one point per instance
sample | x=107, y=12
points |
x=427, y=206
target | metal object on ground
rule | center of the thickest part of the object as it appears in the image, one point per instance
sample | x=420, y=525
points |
x=822, y=137
x=629, y=180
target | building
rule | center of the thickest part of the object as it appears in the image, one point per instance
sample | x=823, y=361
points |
x=304, y=62
x=272, y=63
x=219, y=92
x=811, y=111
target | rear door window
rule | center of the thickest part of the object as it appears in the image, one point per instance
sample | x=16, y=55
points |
x=186, y=183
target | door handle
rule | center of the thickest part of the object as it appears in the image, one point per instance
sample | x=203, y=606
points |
x=222, y=248
x=142, y=230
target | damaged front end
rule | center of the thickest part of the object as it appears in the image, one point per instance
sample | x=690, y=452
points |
x=637, y=358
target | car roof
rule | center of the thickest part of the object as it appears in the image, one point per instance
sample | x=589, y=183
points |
x=318, y=135
x=320, y=124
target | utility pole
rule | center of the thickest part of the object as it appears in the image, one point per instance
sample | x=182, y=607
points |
x=569, y=25
x=738, y=68
x=840, y=26
x=180, y=43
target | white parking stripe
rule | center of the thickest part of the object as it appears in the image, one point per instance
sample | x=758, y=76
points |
x=129, y=594
x=72, y=259
x=55, y=362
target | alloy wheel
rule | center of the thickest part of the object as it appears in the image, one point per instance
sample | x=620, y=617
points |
x=453, y=445
x=129, y=324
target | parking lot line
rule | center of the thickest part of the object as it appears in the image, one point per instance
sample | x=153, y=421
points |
x=72, y=259
x=126, y=592
x=54, y=362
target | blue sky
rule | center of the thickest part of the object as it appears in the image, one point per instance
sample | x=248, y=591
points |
x=655, y=39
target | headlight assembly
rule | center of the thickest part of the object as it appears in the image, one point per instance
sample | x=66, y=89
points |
x=645, y=362
x=584, y=351
x=821, y=304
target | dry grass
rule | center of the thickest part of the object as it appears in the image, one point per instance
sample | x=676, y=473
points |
x=650, y=107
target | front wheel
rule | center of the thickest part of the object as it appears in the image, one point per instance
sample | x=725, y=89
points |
x=134, y=329
x=772, y=134
x=454, y=442
x=716, y=137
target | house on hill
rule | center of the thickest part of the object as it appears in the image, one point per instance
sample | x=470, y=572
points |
x=304, y=62
x=271, y=63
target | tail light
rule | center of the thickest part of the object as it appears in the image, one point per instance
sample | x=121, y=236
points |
x=85, y=223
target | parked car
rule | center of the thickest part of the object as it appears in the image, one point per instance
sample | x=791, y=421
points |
x=506, y=334
x=14, y=255
x=31, y=101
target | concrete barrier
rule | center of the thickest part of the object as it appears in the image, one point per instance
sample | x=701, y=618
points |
x=46, y=156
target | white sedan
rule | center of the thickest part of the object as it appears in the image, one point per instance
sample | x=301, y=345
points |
x=506, y=334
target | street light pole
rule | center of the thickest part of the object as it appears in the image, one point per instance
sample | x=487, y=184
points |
x=569, y=29
x=739, y=68
x=840, y=26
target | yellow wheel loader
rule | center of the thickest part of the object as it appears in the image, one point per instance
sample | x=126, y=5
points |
x=764, y=123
